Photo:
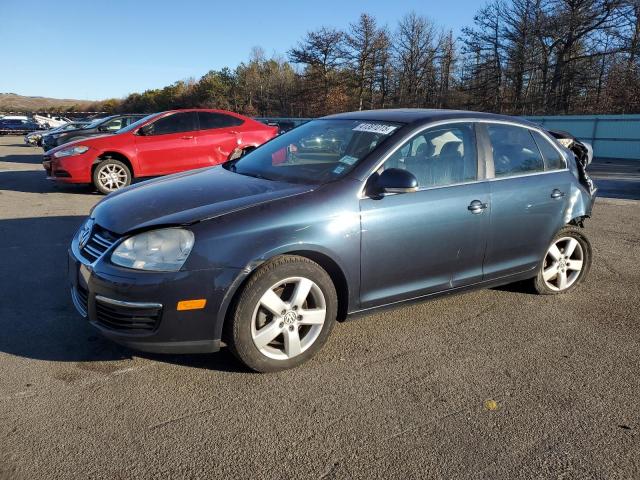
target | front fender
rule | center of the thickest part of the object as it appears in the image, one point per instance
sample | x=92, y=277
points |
x=298, y=249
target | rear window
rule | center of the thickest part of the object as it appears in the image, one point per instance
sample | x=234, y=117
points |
x=552, y=158
x=209, y=120
x=174, y=123
x=514, y=150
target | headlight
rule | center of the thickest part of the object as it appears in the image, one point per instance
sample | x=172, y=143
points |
x=67, y=152
x=158, y=250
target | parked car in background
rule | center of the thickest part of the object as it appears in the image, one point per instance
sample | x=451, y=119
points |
x=159, y=144
x=17, y=126
x=51, y=121
x=35, y=138
x=99, y=126
x=14, y=117
x=268, y=250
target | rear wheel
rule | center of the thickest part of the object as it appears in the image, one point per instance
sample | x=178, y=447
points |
x=111, y=175
x=566, y=263
x=284, y=314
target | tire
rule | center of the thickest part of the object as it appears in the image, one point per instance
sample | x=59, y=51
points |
x=110, y=175
x=265, y=340
x=559, y=262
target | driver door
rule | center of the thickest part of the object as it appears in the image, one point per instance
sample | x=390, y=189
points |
x=168, y=144
x=418, y=243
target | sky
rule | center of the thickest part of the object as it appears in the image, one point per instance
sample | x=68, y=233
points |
x=98, y=49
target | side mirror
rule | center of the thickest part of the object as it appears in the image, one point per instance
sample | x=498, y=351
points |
x=396, y=180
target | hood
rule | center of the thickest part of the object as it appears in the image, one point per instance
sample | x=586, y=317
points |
x=88, y=141
x=187, y=198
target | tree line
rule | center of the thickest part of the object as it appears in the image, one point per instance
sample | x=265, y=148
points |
x=522, y=57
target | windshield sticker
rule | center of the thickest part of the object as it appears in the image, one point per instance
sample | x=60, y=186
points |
x=339, y=169
x=375, y=128
x=348, y=159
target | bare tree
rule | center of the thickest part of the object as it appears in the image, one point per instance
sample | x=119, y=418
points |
x=415, y=50
x=361, y=40
x=322, y=52
x=484, y=43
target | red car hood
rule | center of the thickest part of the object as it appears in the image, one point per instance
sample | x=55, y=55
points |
x=85, y=141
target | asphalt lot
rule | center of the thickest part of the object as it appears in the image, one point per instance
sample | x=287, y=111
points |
x=492, y=384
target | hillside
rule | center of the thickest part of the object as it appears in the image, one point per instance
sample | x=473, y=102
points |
x=10, y=102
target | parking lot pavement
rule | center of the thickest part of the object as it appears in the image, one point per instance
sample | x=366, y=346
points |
x=492, y=384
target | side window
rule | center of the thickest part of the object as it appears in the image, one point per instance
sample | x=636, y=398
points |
x=552, y=158
x=439, y=156
x=175, y=123
x=209, y=120
x=113, y=125
x=514, y=151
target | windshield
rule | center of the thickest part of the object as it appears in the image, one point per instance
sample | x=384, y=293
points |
x=96, y=122
x=135, y=125
x=317, y=152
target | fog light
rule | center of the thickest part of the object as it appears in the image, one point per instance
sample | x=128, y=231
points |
x=192, y=304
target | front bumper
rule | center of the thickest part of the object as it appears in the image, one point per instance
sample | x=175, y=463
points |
x=74, y=169
x=138, y=309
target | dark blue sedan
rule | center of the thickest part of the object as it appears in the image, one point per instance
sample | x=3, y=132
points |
x=340, y=216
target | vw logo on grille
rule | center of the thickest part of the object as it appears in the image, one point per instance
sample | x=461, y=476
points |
x=85, y=233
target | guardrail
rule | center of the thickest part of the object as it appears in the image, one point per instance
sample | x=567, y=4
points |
x=611, y=136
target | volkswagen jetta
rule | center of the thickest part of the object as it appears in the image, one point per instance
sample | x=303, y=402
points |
x=267, y=251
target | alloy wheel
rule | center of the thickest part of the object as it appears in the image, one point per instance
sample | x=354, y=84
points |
x=112, y=177
x=288, y=318
x=563, y=263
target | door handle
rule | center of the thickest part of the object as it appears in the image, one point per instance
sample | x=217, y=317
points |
x=477, y=207
x=557, y=193
x=187, y=137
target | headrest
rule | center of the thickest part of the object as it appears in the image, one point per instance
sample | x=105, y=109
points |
x=450, y=149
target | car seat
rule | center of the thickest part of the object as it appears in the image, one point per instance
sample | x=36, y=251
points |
x=421, y=164
x=449, y=165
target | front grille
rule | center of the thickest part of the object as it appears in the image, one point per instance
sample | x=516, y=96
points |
x=99, y=242
x=131, y=319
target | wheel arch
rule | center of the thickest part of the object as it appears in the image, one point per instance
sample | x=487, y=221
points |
x=116, y=156
x=330, y=265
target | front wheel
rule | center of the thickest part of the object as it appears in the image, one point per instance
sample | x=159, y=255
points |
x=111, y=175
x=284, y=314
x=566, y=263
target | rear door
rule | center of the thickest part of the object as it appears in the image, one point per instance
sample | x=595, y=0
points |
x=528, y=199
x=434, y=239
x=218, y=137
x=169, y=145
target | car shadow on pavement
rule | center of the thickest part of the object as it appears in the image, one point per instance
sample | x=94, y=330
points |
x=37, y=317
x=525, y=287
x=35, y=159
x=34, y=181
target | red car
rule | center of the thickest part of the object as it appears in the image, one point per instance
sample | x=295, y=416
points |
x=159, y=144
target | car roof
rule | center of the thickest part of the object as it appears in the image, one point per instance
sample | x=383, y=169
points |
x=211, y=110
x=424, y=115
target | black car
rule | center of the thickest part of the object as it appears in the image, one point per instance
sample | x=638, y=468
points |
x=18, y=126
x=99, y=126
x=266, y=251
